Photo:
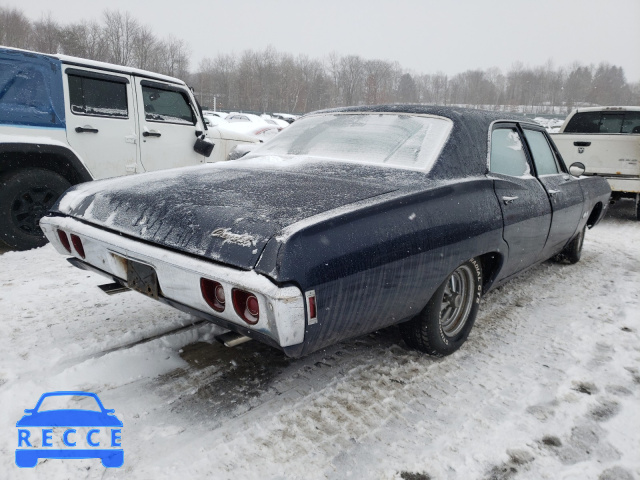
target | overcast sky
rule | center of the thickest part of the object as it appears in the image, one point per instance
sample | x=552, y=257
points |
x=425, y=36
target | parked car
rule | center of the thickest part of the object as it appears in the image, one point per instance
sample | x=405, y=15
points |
x=607, y=141
x=347, y=221
x=66, y=120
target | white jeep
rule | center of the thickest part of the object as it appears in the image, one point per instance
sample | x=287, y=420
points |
x=607, y=141
x=66, y=120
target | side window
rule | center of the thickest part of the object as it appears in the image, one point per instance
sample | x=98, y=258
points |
x=543, y=157
x=97, y=97
x=507, y=154
x=585, y=122
x=631, y=122
x=167, y=106
x=611, y=123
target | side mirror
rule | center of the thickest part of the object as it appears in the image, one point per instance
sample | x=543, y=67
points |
x=241, y=150
x=203, y=146
x=576, y=169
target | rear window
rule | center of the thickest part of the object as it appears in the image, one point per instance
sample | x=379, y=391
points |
x=604, y=122
x=401, y=140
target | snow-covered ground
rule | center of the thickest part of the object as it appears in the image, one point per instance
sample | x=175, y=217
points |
x=547, y=386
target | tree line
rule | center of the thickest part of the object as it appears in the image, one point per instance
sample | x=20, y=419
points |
x=272, y=81
x=116, y=38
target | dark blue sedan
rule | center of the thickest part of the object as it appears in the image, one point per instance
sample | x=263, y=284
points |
x=348, y=221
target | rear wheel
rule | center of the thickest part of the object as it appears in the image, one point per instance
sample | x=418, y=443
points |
x=25, y=197
x=444, y=324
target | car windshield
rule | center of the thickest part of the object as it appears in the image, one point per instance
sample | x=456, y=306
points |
x=65, y=402
x=401, y=140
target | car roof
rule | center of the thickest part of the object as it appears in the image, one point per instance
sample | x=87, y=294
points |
x=466, y=150
x=110, y=67
x=454, y=113
x=607, y=109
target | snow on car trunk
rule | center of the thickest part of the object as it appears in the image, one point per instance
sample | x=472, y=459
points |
x=217, y=211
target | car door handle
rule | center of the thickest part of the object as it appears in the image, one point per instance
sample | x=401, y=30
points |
x=508, y=200
x=151, y=133
x=87, y=129
x=581, y=144
x=553, y=192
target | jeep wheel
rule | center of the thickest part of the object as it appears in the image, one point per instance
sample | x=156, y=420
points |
x=25, y=197
x=444, y=324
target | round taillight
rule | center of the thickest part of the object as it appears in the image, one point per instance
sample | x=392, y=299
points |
x=213, y=294
x=246, y=305
x=253, y=306
x=219, y=293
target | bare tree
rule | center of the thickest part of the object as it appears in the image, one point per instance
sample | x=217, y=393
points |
x=120, y=30
x=15, y=28
x=46, y=34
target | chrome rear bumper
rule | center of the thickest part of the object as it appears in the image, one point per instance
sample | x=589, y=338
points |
x=282, y=312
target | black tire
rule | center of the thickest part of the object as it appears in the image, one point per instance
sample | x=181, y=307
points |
x=444, y=324
x=25, y=196
x=573, y=251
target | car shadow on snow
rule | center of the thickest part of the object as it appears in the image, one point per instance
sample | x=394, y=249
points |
x=221, y=382
x=623, y=209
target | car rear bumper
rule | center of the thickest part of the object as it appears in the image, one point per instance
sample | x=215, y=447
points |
x=624, y=184
x=282, y=312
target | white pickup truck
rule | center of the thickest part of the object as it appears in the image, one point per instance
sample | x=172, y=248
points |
x=66, y=120
x=607, y=141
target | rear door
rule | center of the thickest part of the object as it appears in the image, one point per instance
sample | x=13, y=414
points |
x=169, y=125
x=526, y=210
x=563, y=190
x=101, y=120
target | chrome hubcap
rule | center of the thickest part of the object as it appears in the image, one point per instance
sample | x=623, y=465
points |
x=457, y=301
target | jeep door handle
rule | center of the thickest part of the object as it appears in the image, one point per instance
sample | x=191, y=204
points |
x=152, y=133
x=581, y=144
x=508, y=200
x=87, y=129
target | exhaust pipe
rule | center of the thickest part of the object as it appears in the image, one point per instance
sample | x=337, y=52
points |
x=113, y=288
x=232, y=339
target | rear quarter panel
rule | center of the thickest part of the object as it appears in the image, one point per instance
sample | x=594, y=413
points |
x=379, y=265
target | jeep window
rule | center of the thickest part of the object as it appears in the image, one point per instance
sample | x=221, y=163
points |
x=507, y=154
x=168, y=106
x=97, y=97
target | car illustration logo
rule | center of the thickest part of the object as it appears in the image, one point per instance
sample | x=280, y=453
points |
x=49, y=431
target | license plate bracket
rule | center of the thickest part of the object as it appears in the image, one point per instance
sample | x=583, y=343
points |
x=142, y=278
